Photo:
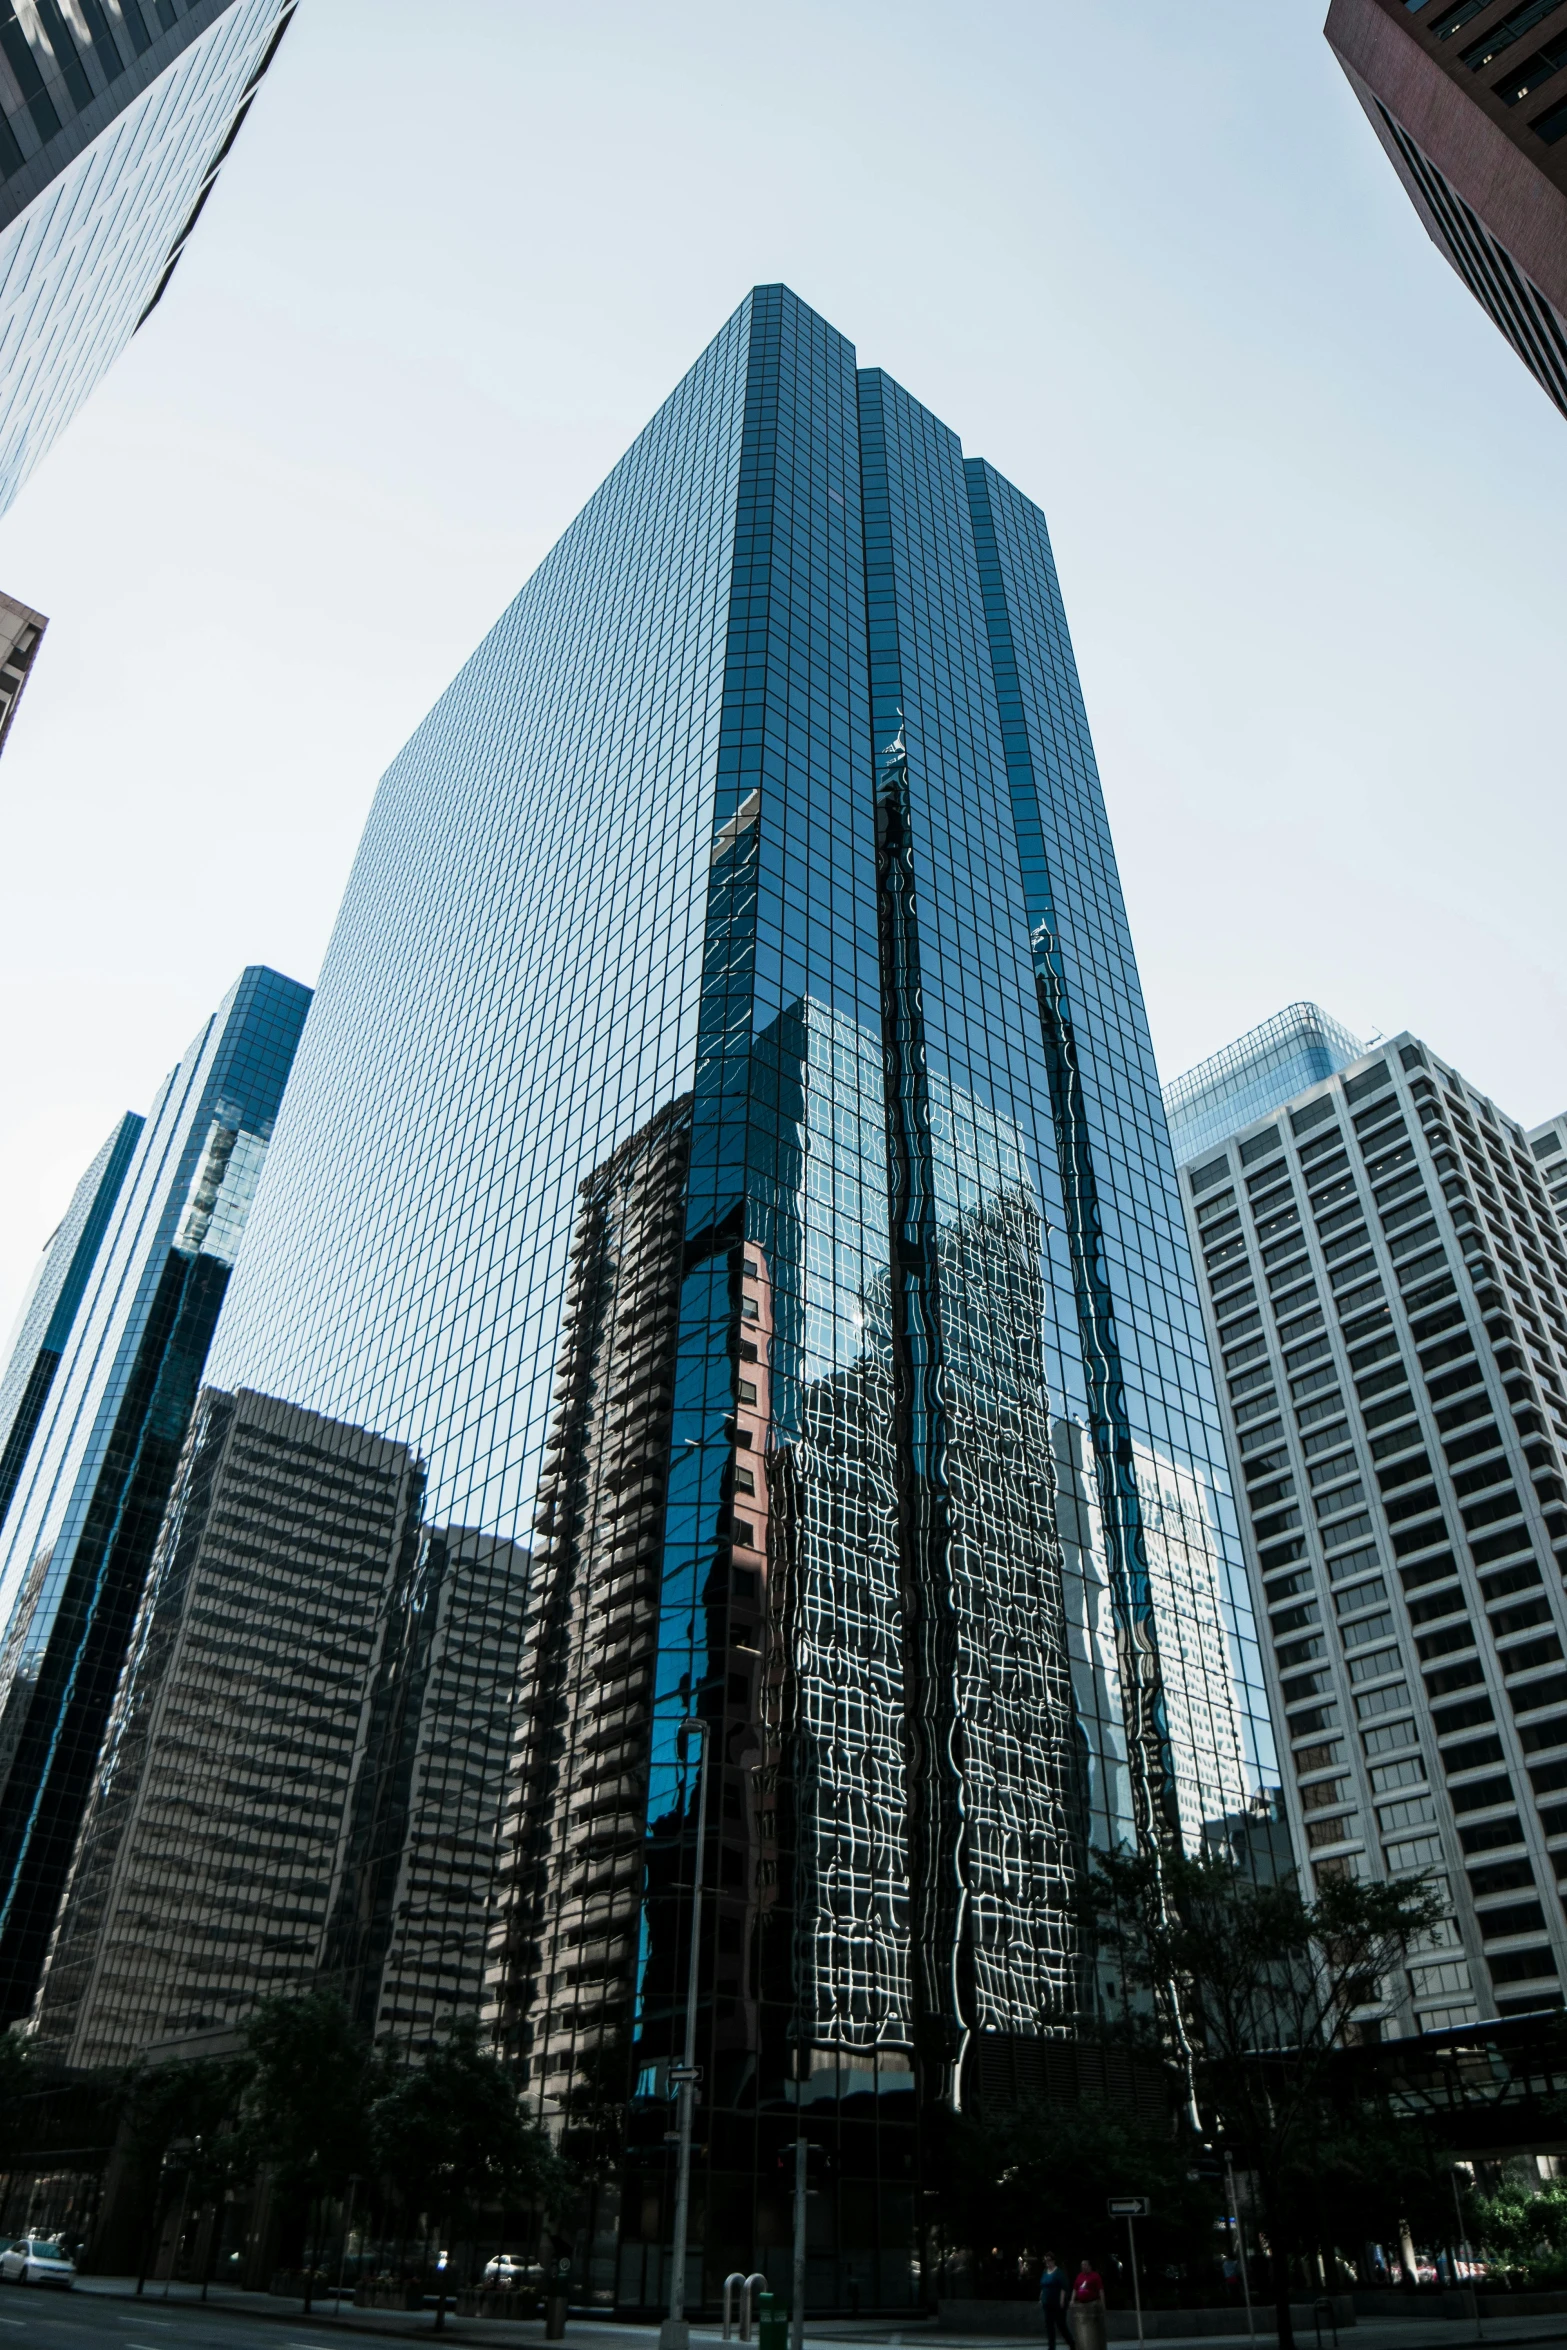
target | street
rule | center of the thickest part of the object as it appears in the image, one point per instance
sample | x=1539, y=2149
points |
x=103, y=2314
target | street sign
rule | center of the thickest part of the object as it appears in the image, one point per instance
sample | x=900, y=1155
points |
x=1129, y=2207
x=679, y=2074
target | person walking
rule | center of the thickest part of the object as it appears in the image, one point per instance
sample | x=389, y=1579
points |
x=1054, y=2288
x=1088, y=2308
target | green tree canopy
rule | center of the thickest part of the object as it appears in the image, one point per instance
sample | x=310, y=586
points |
x=1018, y=2184
x=1251, y=1988
x=451, y=2138
x=313, y=2079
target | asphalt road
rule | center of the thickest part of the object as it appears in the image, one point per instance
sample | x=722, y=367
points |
x=102, y=2315
x=33, y=2319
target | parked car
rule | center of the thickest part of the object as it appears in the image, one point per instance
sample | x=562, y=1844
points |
x=37, y=2260
x=509, y=2269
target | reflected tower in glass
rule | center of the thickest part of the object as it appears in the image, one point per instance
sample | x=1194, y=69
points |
x=726, y=1151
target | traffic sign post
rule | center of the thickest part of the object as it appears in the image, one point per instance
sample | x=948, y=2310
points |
x=1132, y=2208
x=1240, y=2244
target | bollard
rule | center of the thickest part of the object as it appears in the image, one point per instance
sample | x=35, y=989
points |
x=772, y=2322
x=555, y=2299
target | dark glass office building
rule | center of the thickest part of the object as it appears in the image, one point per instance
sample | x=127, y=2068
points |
x=1469, y=99
x=78, y=1537
x=115, y=118
x=727, y=1152
x=53, y=1298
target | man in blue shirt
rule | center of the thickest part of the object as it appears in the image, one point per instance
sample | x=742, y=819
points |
x=1053, y=2291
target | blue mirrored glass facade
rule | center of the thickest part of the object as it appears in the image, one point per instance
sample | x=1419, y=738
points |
x=78, y=1538
x=115, y=117
x=726, y=1152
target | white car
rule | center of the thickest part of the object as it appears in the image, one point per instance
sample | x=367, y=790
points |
x=508, y=2268
x=37, y=2260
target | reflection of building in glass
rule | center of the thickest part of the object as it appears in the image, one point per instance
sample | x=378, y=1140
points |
x=567, y=1939
x=52, y=1301
x=204, y=1873
x=410, y=1922
x=1196, y=1668
x=84, y=1518
x=111, y=137
x=1011, y=1696
x=1128, y=1356
x=760, y=1207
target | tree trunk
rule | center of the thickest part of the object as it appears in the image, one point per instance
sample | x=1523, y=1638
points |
x=213, y=2242
x=307, y=2256
x=149, y=2240
x=1279, y=2261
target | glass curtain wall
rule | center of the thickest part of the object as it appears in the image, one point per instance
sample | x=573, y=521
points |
x=678, y=1164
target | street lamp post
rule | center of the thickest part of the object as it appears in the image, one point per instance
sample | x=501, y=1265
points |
x=797, y=2270
x=675, y=2333
x=1463, y=2238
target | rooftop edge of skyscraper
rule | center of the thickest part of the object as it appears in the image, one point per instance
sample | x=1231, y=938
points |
x=1260, y=1070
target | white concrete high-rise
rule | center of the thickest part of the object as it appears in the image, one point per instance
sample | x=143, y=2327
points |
x=1385, y=1286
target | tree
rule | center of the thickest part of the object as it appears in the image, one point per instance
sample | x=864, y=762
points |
x=1359, y=2175
x=16, y=2085
x=1252, y=1988
x=1017, y=2184
x=193, y=2105
x=313, y=2081
x=451, y=2138
x=1524, y=2232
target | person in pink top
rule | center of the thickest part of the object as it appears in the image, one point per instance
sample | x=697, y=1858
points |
x=1088, y=2308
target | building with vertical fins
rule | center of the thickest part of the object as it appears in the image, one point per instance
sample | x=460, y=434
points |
x=53, y=1298
x=726, y=1153
x=115, y=119
x=78, y=1538
x=1385, y=1280
x=1469, y=101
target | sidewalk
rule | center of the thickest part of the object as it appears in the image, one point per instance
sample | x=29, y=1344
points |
x=1419, y=2331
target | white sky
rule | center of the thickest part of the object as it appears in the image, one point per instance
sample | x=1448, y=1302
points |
x=1310, y=512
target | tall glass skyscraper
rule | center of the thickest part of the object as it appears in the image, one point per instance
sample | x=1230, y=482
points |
x=726, y=1152
x=78, y=1537
x=115, y=118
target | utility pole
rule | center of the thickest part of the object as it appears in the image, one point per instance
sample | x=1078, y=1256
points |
x=1452, y=2180
x=675, y=2333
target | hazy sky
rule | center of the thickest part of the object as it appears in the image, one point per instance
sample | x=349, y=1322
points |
x=1310, y=512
